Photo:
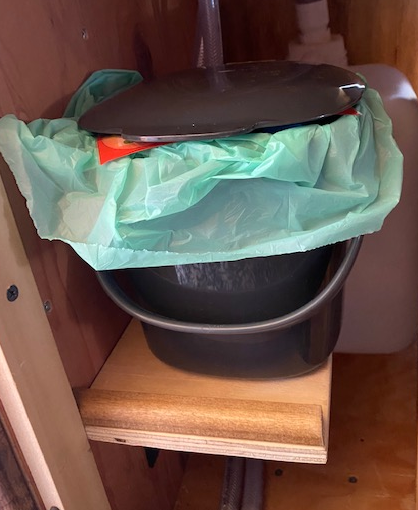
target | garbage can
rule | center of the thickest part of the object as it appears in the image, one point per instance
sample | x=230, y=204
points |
x=265, y=317
x=232, y=250
x=233, y=318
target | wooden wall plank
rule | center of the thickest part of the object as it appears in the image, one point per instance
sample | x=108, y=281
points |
x=407, y=43
x=152, y=488
x=46, y=53
x=371, y=30
x=168, y=27
x=37, y=398
x=44, y=56
x=379, y=31
x=254, y=30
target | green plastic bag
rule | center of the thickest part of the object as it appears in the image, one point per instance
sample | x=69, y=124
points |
x=245, y=196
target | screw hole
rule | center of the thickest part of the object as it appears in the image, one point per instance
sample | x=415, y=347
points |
x=352, y=479
x=12, y=293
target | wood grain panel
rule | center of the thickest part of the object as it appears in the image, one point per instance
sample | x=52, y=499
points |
x=131, y=484
x=257, y=30
x=47, y=49
x=407, y=43
x=168, y=27
x=44, y=56
x=132, y=367
x=379, y=31
x=371, y=30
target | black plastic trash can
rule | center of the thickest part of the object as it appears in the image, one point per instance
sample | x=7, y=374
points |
x=265, y=317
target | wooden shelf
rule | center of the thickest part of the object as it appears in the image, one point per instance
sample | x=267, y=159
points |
x=138, y=400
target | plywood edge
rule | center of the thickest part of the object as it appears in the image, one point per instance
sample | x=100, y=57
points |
x=210, y=445
x=206, y=425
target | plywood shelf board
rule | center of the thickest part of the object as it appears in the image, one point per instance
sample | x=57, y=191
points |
x=138, y=400
x=209, y=445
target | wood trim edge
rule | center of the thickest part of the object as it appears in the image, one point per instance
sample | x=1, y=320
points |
x=271, y=430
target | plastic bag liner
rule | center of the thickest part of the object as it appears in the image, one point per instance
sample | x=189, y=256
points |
x=253, y=195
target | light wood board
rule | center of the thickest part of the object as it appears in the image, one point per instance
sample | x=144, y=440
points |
x=138, y=400
x=34, y=390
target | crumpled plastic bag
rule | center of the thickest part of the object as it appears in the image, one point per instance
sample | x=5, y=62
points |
x=252, y=195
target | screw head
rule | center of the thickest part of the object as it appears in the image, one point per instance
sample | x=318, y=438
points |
x=47, y=306
x=12, y=293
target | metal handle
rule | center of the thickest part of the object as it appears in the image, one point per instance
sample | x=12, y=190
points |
x=113, y=290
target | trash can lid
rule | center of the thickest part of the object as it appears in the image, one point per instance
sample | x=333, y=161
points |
x=208, y=103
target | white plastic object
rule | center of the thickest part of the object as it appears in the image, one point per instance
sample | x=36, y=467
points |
x=331, y=52
x=316, y=44
x=380, y=312
x=313, y=21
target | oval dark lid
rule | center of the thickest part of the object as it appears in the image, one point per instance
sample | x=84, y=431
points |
x=226, y=100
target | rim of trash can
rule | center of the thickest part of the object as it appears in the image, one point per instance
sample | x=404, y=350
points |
x=113, y=290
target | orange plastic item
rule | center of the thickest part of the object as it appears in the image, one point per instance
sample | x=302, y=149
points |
x=114, y=147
